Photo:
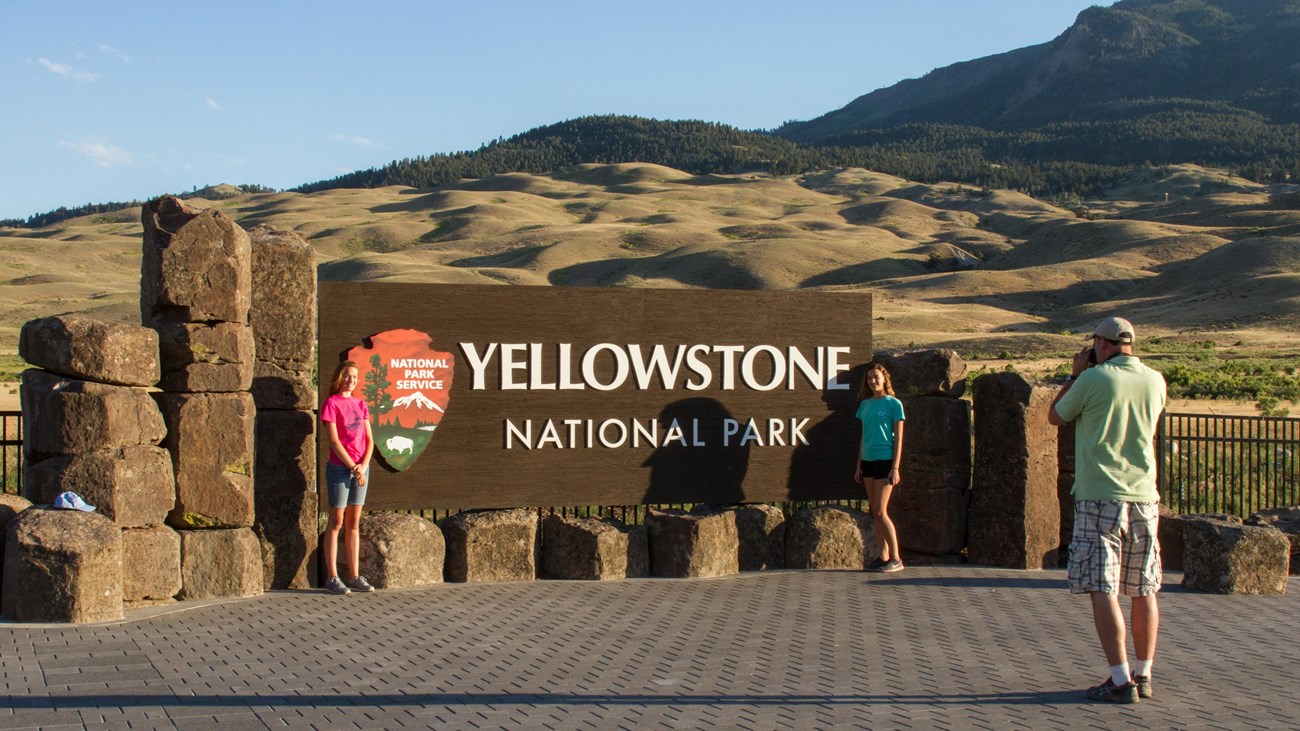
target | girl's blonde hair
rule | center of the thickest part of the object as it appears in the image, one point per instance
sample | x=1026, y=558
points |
x=336, y=384
x=864, y=392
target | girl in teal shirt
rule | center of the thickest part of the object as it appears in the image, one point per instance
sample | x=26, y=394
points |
x=879, y=456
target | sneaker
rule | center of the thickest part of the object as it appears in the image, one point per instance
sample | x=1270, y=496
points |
x=335, y=586
x=1145, y=689
x=876, y=564
x=1111, y=693
x=891, y=566
x=359, y=583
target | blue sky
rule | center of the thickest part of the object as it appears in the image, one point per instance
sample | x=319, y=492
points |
x=110, y=101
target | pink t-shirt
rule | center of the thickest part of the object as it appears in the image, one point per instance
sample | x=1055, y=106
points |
x=349, y=416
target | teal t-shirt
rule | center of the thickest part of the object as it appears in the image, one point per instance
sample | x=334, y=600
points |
x=1115, y=408
x=878, y=417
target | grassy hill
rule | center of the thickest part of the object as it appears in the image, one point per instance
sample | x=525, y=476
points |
x=951, y=265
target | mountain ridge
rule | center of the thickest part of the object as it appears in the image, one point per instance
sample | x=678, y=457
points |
x=1132, y=50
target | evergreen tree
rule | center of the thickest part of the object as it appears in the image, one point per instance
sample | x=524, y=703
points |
x=376, y=388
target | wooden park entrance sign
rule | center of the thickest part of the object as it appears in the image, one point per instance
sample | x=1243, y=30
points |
x=499, y=397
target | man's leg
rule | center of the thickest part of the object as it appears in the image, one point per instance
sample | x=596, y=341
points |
x=1146, y=625
x=1109, y=620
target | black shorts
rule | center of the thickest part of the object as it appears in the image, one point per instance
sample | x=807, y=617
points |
x=877, y=469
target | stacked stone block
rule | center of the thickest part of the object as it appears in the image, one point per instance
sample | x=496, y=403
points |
x=92, y=428
x=693, y=545
x=1014, y=513
x=760, y=531
x=930, y=506
x=592, y=549
x=492, y=545
x=282, y=317
x=62, y=566
x=830, y=537
x=400, y=551
x=10, y=507
x=195, y=291
x=1287, y=520
x=1226, y=557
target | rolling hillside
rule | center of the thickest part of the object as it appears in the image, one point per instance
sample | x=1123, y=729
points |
x=951, y=265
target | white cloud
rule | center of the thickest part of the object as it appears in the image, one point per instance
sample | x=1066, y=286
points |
x=358, y=141
x=66, y=71
x=126, y=57
x=100, y=153
x=211, y=103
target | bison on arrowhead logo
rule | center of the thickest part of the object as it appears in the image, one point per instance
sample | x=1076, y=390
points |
x=407, y=385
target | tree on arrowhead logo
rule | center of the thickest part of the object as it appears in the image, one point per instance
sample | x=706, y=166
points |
x=407, y=385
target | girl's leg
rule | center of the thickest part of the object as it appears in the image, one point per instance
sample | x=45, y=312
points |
x=330, y=550
x=885, y=523
x=873, y=498
x=879, y=493
x=352, y=539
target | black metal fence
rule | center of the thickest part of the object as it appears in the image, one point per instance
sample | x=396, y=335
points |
x=1228, y=464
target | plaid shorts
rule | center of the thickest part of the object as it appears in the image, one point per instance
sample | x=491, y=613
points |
x=1115, y=548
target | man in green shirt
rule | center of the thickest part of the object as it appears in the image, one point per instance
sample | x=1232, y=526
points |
x=1115, y=403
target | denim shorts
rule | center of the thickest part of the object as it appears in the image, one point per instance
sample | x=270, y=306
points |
x=343, y=487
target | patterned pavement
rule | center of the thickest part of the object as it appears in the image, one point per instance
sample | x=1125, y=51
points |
x=944, y=647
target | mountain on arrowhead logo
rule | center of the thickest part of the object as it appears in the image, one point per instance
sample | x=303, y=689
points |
x=418, y=400
x=407, y=385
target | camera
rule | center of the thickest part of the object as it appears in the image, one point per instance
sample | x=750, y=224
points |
x=1092, y=356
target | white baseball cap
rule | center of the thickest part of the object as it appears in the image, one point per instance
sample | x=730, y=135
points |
x=1114, y=328
x=72, y=501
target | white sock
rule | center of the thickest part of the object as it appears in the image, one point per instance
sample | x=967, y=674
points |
x=1119, y=673
x=1143, y=668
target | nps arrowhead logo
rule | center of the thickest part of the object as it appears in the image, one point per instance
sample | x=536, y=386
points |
x=407, y=385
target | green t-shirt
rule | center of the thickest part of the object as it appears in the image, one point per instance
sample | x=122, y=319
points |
x=878, y=417
x=1115, y=408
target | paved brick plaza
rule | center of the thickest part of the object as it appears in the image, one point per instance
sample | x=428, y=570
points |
x=930, y=648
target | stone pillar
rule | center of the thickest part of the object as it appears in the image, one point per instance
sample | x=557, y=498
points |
x=196, y=291
x=283, y=321
x=930, y=506
x=92, y=428
x=210, y=437
x=1014, y=518
x=1065, y=480
x=285, y=500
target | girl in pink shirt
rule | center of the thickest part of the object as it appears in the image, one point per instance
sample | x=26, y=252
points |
x=347, y=423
